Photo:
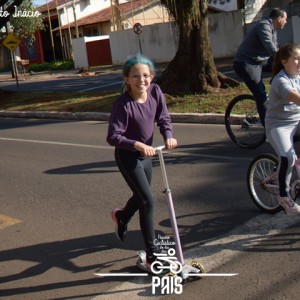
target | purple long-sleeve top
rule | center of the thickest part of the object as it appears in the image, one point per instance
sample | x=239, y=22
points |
x=131, y=121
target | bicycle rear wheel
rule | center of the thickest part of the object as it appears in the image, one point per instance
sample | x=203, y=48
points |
x=262, y=183
x=242, y=122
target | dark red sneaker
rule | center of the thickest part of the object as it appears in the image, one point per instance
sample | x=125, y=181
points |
x=121, y=228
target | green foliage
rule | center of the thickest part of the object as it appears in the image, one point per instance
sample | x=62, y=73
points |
x=40, y=67
x=28, y=22
x=52, y=66
x=63, y=65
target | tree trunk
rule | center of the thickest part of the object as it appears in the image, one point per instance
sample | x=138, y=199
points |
x=192, y=70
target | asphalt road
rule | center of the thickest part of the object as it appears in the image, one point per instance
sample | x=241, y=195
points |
x=59, y=183
x=63, y=82
x=71, y=81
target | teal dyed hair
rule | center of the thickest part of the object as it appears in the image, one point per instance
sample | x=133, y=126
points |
x=139, y=59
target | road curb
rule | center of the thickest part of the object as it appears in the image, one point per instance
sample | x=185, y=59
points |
x=98, y=116
x=198, y=118
x=56, y=115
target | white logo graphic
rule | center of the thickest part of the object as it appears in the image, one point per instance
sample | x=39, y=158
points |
x=166, y=261
x=168, y=272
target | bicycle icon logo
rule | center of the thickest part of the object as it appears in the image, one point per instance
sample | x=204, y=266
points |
x=173, y=265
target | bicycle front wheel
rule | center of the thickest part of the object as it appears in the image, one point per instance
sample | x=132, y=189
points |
x=262, y=183
x=242, y=122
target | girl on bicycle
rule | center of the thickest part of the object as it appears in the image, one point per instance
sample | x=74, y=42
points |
x=130, y=131
x=282, y=118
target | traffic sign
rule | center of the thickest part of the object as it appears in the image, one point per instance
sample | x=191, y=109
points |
x=11, y=42
x=138, y=28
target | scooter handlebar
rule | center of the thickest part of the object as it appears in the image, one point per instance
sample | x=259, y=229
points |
x=160, y=148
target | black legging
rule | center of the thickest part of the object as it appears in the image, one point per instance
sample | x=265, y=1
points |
x=137, y=171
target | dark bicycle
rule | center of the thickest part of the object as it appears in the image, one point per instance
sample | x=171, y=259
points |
x=242, y=122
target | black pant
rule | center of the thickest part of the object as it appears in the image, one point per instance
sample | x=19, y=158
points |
x=252, y=76
x=137, y=171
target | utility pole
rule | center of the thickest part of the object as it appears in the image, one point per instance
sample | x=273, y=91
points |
x=51, y=35
x=75, y=20
x=60, y=33
x=70, y=48
x=116, y=15
x=14, y=69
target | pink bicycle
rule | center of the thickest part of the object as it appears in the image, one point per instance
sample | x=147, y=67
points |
x=263, y=183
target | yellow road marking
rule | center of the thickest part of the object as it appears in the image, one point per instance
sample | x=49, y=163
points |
x=6, y=221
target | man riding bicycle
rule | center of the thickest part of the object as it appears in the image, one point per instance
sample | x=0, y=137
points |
x=255, y=52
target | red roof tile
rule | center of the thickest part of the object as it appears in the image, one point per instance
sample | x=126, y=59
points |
x=52, y=5
x=103, y=15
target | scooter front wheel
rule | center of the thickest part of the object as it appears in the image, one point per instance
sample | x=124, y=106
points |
x=198, y=266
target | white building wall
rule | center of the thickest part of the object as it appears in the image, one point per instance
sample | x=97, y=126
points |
x=80, y=53
x=159, y=42
x=156, y=14
x=226, y=33
x=224, y=5
x=82, y=8
x=295, y=22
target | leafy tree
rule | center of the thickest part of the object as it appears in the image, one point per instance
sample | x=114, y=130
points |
x=26, y=26
x=7, y=9
x=192, y=70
